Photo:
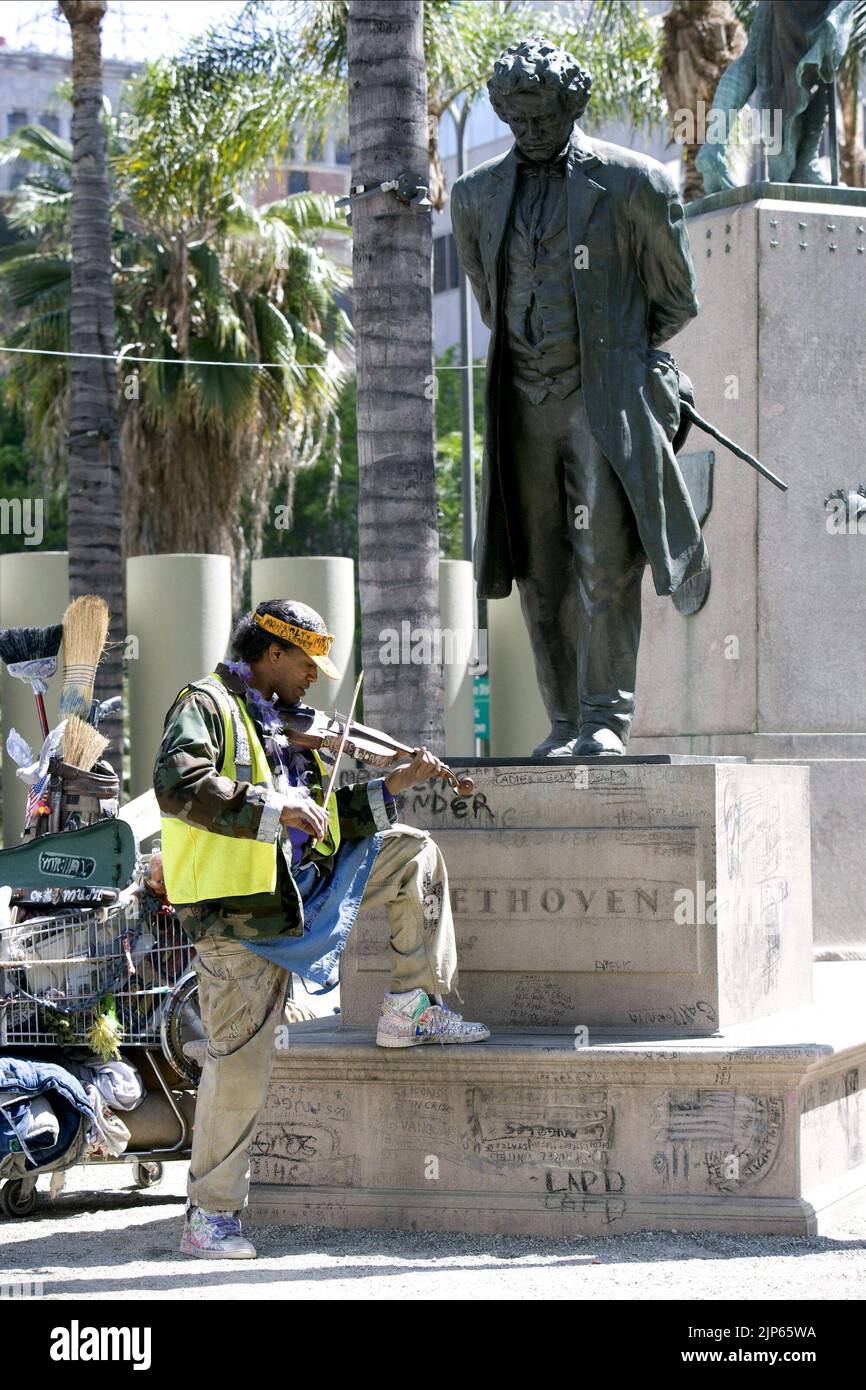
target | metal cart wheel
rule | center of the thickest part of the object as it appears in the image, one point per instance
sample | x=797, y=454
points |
x=17, y=1199
x=181, y=1023
x=147, y=1174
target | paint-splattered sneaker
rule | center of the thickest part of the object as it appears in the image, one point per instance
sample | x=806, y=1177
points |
x=214, y=1235
x=409, y=1019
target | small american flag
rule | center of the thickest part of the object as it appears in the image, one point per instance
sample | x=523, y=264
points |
x=38, y=799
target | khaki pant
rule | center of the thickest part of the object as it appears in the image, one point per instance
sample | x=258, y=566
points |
x=242, y=997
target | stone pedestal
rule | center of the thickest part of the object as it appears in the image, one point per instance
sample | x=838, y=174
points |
x=644, y=1071
x=776, y=355
x=651, y=1065
x=770, y=666
x=762, y=1129
x=658, y=899
x=837, y=779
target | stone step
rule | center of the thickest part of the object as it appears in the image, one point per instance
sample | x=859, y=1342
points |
x=760, y=1129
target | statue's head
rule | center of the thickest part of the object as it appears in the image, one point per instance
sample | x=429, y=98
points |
x=539, y=90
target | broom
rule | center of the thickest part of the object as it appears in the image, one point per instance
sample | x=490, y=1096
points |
x=85, y=628
x=82, y=745
x=30, y=653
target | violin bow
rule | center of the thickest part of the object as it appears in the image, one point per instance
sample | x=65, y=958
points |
x=341, y=745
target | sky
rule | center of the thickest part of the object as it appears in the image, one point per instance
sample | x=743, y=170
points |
x=131, y=30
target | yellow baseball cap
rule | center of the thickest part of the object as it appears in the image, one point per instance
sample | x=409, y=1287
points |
x=306, y=629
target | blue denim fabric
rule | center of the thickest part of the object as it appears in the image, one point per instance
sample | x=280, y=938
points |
x=23, y=1128
x=66, y=1094
x=331, y=903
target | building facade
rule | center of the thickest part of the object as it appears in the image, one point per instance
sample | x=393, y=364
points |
x=31, y=85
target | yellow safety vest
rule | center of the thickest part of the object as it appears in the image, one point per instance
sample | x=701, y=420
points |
x=200, y=864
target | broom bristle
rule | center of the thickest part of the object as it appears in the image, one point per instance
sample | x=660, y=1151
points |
x=85, y=628
x=29, y=643
x=82, y=745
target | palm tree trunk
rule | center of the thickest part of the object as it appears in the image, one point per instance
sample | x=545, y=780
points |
x=700, y=39
x=95, y=494
x=393, y=311
x=852, y=154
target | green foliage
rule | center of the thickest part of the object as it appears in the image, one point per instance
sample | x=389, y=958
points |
x=200, y=274
x=320, y=515
x=298, y=52
x=18, y=479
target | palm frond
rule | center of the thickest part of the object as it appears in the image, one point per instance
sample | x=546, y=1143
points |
x=35, y=143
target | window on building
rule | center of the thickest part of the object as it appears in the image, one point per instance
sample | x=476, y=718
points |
x=50, y=121
x=299, y=181
x=445, y=264
x=343, y=155
x=20, y=167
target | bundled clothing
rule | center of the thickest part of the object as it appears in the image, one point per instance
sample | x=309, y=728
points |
x=118, y=1083
x=29, y=1138
x=109, y=1136
x=29, y=1124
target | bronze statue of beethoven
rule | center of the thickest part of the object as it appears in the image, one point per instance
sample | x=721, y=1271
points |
x=578, y=256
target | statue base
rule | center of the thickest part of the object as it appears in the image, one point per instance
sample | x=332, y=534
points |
x=761, y=1130
x=643, y=1072
x=775, y=355
x=833, y=194
x=662, y=898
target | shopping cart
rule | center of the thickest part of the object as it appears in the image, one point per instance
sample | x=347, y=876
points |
x=57, y=973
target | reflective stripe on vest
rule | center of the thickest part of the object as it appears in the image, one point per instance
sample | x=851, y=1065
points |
x=200, y=864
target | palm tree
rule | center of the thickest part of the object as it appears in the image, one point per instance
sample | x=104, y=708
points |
x=299, y=51
x=201, y=277
x=213, y=279
x=701, y=38
x=852, y=153
x=93, y=440
x=398, y=544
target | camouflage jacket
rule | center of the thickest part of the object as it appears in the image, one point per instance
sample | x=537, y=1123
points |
x=188, y=785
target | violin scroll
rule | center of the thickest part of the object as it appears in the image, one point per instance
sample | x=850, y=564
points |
x=463, y=785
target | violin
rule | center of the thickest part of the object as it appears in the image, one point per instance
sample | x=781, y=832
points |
x=312, y=728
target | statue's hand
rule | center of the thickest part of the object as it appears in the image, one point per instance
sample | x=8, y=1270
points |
x=712, y=164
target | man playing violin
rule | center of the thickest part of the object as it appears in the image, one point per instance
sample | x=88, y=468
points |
x=267, y=881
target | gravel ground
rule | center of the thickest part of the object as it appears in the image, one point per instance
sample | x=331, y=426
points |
x=101, y=1239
